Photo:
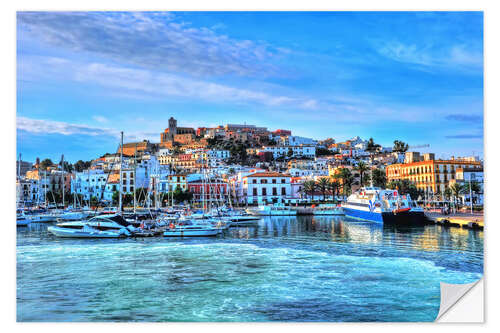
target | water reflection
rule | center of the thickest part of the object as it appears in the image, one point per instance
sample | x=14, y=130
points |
x=278, y=269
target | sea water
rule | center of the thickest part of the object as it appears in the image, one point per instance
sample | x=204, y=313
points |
x=282, y=269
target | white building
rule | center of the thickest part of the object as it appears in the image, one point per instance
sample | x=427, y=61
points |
x=89, y=183
x=219, y=154
x=266, y=187
x=297, y=151
x=292, y=140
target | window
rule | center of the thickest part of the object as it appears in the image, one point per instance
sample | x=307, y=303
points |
x=283, y=191
x=264, y=191
x=283, y=181
x=124, y=189
x=255, y=192
x=274, y=181
x=254, y=181
x=275, y=191
x=263, y=181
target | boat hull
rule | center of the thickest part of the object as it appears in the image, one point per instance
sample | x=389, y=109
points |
x=191, y=233
x=22, y=223
x=379, y=217
x=72, y=233
x=328, y=212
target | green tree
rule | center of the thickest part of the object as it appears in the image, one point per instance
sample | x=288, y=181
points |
x=116, y=197
x=472, y=185
x=361, y=168
x=68, y=167
x=128, y=199
x=447, y=193
x=309, y=187
x=379, y=178
x=181, y=196
x=80, y=165
x=371, y=146
x=140, y=195
x=346, y=179
x=93, y=201
x=334, y=186
x=320, y=151
x=46, y=163
x=323, y=185
x=456, y=189
x=400, y=146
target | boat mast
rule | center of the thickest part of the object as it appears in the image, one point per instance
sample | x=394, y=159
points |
x=135, y=170
x=19, y=180
x=45, y=187
x=62, y=166
x=120, y=186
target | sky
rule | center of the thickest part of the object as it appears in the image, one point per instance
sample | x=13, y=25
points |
x=82, y=77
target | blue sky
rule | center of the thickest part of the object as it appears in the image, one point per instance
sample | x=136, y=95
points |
x=83, y=77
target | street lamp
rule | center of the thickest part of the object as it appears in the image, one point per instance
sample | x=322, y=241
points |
x=472, y=176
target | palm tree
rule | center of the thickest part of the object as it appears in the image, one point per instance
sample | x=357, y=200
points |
x=309, y=187
x=371, y=146
x=456, y=190
x=379, y=178
x=361, y=168
x=334, y=187
x=400, y=146
x=323, y=185
x=347, y=179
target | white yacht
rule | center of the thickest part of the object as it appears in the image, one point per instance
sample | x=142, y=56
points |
x=102, y=226
x=273, y=210
x=192, y=228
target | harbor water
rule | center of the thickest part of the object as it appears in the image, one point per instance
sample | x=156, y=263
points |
x=285, y=269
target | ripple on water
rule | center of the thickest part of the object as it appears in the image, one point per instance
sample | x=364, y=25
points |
x=286, y=270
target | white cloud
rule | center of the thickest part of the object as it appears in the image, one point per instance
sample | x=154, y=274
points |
x=148, y=83
x=42, y=127
x=100, y=119
x=151, y=40
x=428, y=55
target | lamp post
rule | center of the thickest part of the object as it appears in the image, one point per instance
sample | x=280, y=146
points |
x=470, y=190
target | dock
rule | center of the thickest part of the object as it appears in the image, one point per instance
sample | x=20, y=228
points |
x=460, y=220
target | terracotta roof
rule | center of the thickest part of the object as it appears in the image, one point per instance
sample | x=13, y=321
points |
x=268, y=174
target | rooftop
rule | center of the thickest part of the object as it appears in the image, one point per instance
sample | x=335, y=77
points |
x=268, y=174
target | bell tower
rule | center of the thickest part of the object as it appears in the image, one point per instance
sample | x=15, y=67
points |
x=172, y=127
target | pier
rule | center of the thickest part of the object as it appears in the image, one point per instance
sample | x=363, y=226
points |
x=459, y=220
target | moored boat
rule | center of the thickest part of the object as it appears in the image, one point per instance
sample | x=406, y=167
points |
x=273, y=210
x=192, y=228
x=102, y=226
x=328, y=209
x=22, y=220
x=85, y=231
x=381, y=206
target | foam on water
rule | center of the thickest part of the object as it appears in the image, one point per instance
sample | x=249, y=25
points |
x=288, y=269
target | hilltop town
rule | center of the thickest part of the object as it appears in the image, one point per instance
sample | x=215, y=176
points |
x=246, y=165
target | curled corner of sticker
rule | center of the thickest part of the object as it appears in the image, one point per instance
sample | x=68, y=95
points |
x=451, y=294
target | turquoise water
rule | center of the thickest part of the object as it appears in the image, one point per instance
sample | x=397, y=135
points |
x=287, y=269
